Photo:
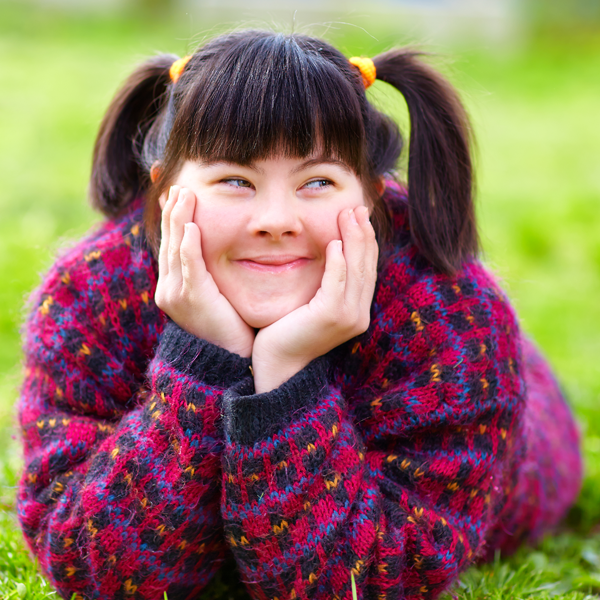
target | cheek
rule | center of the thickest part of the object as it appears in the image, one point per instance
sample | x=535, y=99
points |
x=219, y=228
x=323, y=223
x=322, y=228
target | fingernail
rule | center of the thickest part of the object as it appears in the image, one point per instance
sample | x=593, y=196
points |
x=352, y=217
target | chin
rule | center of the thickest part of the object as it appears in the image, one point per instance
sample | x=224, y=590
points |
x=265, y=315
x=264, y=307
x=260, y=320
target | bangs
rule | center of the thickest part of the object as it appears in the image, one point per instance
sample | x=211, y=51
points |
x=268, y=94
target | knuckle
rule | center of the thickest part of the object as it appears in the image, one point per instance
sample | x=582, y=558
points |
x=161, y=299
x=332, y=317
x=358, y=322
x=184, y=252
x=167, y=294
x=354, y=322
x=344, y=317
x=370, y=233
x=174, y=213
x=364, y=323
x=187, y=260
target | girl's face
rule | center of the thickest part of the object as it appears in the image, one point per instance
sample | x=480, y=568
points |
x=265, y=227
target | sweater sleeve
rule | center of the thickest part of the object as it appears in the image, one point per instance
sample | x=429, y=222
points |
x=394, y=469
x=120, y=491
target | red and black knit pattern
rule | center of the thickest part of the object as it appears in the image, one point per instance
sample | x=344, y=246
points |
x=399, y=457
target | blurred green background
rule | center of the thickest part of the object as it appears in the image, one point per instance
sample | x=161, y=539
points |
x=534, y=97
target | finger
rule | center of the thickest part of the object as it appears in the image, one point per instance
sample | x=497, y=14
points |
x=371, y=256
x=354, y=252
x=371, y=246
x=193, y=268
x=163, y=262
x=333, y=283
x=182, y=213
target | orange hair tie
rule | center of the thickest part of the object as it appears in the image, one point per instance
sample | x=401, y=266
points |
x=177, y=68
x=366, y=68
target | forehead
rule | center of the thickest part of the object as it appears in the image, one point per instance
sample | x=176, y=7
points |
x=287, y=164
x=236, y=109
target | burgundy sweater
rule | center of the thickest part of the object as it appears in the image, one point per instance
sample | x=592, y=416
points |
x=399, y=457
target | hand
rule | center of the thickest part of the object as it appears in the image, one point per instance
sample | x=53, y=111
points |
x=339, y=311
x=185, y=290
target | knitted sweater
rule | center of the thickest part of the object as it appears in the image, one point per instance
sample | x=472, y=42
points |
x=399, y=458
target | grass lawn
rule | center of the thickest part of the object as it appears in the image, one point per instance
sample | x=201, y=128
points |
x=535, y=116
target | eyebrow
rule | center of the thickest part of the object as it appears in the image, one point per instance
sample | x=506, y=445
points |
x=307, y=164
x=312, y=162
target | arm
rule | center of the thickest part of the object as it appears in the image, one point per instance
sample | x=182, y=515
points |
x=120, y=492
x=397, y=480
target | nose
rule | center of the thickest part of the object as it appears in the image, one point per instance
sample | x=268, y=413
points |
x=275, y=215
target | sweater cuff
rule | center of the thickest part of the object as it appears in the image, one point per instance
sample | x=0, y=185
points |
x=249, y=417
x=207, y=362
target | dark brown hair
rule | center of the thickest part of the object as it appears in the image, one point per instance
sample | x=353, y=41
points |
x=249, y=95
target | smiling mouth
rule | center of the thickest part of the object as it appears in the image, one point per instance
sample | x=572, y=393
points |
x=273, y=264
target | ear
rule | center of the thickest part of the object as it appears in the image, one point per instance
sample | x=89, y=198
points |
x=154, y=171
x=380, y=189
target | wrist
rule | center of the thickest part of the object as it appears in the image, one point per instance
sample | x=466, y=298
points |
x=235, y=347
x=269, y=375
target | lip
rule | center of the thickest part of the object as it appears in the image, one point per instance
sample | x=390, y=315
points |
x=274, y=263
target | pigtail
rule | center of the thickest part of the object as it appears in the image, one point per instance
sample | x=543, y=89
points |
x=117, y=175
x=440, y=179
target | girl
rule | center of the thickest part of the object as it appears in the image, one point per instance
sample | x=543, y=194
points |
x=273, y=362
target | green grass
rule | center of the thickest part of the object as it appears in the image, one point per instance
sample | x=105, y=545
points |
x=534, y=111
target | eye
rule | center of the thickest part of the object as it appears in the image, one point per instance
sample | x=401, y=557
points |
x=237, y=182
x=317, y=184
